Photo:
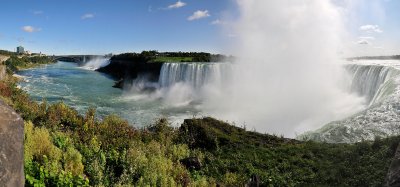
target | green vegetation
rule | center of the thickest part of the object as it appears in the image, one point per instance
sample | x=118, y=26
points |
x=6, y=53
x=235, y=153
x=172, y=59
x=155, y=56
x=64, y=148
x=181, y=57
x=15, y=63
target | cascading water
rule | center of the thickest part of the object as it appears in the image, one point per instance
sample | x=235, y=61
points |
x=96, y=63
x=379, y=84
x=181, y=84
x=369, y=80
x=195, y=75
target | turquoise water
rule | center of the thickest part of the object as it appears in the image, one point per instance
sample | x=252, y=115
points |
x=82, y=88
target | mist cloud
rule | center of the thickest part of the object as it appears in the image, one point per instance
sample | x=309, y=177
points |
x=287, y=78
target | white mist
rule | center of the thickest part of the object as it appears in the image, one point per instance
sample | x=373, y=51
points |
x=96, y=63
x=288, y=78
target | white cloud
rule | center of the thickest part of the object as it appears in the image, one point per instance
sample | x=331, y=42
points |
x=29, y=28
x=218, y=22
x=371, y=28
x=178, y=4
x=198, y=15
x=37, y=12
x=87, y=16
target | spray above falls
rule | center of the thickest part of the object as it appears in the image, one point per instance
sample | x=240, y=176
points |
x=288, y=78
x=96, y=63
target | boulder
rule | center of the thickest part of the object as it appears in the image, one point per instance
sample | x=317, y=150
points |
x=119, y=83
x=11, y=147
x=191, y=163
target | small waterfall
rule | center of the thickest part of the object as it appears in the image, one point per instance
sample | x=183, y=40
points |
x=371, y=81
x=196, y=75
x=96, y=63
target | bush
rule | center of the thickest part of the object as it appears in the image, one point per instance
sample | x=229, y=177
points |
x=73, y=161
x=43, y=161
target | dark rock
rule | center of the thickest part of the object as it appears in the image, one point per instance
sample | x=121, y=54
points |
x=119, y=84
x=254, y=181
x=393, y=175
x=130, y=66
x=11, y=147
x=191, y=163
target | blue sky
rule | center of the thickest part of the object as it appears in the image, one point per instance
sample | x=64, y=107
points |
x=104, y=26
x=375, y=27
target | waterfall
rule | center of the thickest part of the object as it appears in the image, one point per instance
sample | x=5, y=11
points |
x=379, y=84
x=96, y=63
x=195, y=75
x=371, y=81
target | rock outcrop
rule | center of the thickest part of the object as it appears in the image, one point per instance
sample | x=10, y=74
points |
x=2, y=67
x=2, y=72
x=11, y=147
x=127, y=67
x=393, y=175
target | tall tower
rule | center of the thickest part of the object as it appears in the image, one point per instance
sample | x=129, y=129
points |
x=20, y=50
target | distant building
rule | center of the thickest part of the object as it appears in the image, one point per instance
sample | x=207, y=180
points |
x=20, y=50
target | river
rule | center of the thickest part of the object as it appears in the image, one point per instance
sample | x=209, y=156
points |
x=82, y=88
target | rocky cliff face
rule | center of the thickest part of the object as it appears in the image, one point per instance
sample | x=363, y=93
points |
x=393, y=175
x=11, y=147
x=2, y=72
x=2, y=67
x=127, y=67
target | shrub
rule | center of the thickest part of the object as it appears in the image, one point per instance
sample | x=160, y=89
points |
x=73, y=161
x=38, y=145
